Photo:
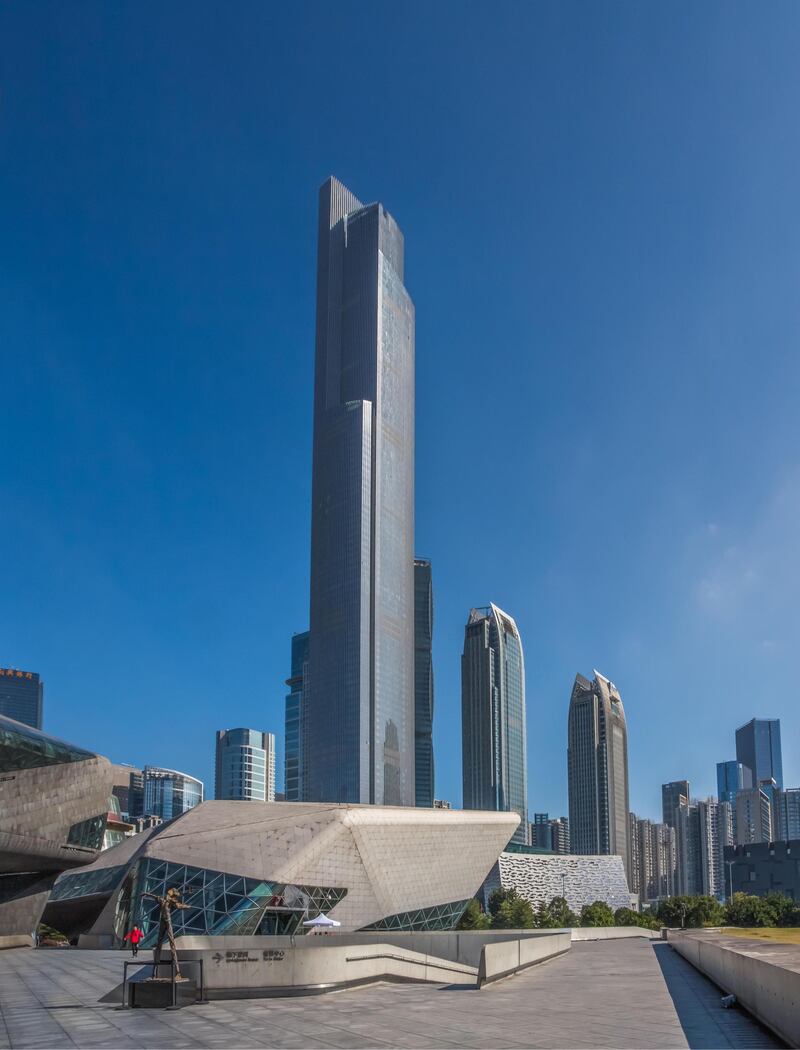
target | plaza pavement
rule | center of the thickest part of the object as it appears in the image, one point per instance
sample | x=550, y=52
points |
x=618, y=993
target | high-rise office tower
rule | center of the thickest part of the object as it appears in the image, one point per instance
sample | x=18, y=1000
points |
x=21, y=695
x=358, y=740
x=758, y=747
x=652, y=852
x=597, y=761
x=551, y=835
x=494, y=763
x=293, y=726
x=672, y=795
x=423, y=683
x=715, y=832
x=787, y=822
x=732, y=776
x=245, y=766
x=637, y=870
x=164, y=793
x=687, y=852
x=753, y=817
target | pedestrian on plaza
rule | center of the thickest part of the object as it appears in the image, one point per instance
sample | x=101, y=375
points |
x=135, y=936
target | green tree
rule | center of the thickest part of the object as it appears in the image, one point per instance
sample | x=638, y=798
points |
x=626, y=917
x=473, y=918
x=555, y=915
x=746, y=910
x=691, y=912
x=786, y=911
x=509, y=911
x=597, y=914
x=629, y=917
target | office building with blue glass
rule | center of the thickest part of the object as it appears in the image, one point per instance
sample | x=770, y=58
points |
x=493, y=740
x=293, y=725
x=359, y=725
x=21, y=696
x=164, y=793
x=732, y=776
x=758, y=748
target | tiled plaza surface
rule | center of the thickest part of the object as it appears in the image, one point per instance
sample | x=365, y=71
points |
x=625, y=993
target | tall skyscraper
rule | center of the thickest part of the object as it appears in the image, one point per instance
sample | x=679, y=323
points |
x=359, y=719
x=788, y=817
x=423, y=683
x=732, y=776
x=753, y=817
x=653, y=863
x=293, y=726
x=715, y=832
x=758, y=746
x=245, y=766
x=494, y=764
x=597, y=765
x=672, y=796
x=21, y=695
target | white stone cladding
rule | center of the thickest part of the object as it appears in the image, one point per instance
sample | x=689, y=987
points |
x=390, y=860
x=580, y=879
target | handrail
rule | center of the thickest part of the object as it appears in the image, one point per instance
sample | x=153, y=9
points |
x=405, y=959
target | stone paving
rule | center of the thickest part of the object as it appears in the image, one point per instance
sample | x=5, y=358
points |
x=623, y=993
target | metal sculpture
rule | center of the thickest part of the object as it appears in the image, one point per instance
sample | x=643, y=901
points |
x=167, y=905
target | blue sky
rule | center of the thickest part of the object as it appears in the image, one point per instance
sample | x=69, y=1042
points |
x=601, y=216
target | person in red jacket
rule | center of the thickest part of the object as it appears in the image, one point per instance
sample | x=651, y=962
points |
x=135, y=936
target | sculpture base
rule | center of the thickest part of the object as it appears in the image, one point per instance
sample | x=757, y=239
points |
x=155, y=993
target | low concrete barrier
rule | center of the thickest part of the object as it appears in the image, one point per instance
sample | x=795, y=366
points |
x=612, y=933
x=236, y=973
x=764, y=977
x=503, y=958
x=460, y=946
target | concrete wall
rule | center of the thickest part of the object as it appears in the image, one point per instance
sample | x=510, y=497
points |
x=612, y=933
x=235, y=973
x=462, y=947
x=765, y=979
x=502, y=958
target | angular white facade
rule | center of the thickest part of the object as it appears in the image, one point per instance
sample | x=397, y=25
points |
x=580, y=879
x=261, y=868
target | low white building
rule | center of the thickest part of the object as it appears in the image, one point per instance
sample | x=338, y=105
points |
x=581, y=879
x=262, y=868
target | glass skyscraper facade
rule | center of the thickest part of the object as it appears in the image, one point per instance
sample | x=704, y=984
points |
x=166, y=793
x=597, y=761
x=493, y=740
x=423, y=683
x=732, y=776
x=673, y=795
x=245, y=766
x=293, y=726
x=358, y=725
x=758, y=747
x=21, y=694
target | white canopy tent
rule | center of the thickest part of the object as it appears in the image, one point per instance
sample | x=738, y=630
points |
x=321, y=922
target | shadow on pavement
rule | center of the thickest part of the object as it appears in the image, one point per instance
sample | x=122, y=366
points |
x=698, y=1004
